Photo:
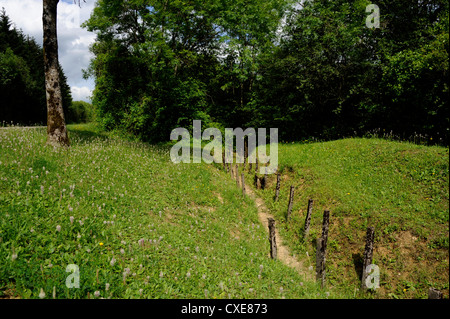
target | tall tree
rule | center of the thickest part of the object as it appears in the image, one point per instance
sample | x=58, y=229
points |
x=56, y=125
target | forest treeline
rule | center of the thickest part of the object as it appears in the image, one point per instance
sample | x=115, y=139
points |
x=22, y=82
x=310, y=69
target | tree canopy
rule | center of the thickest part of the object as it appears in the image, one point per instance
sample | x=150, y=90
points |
x=310, y=68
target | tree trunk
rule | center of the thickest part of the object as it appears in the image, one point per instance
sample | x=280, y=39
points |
x=56, y=124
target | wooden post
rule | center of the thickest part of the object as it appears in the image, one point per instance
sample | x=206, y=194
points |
x=291, y=201
x=434, y=293
x=368, y=253
x=256, y=165
x=308, y=217
x=243, y=184
x=245, y=151
x=277, y=189
x=272, y=240
x=322, y=249
x=223, y=161
x=264, y=179
x=237, y=175
x=255, y=181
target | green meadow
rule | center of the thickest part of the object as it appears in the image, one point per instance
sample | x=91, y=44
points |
x=135, y=224
x=139, y=226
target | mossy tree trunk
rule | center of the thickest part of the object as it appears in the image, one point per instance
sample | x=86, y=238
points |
x=56, y=124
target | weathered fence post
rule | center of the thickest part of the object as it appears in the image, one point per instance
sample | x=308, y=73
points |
x=368, y=253
x=291, y=201
x=434, y=293
x=245, y=151
x=322, y=249
x=243, y=184
x=277, y=189
x=223, y=161
x=264, y=179
x=272, y=240
x=308, y=217
x=237, y=174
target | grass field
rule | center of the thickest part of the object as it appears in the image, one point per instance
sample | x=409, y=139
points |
x=401, y=189
x=135, y=224
x=139, y=226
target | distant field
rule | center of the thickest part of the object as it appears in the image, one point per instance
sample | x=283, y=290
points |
x=136, y=225
x=401, y=189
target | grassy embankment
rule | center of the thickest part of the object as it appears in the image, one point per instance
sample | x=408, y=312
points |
x=401, y=189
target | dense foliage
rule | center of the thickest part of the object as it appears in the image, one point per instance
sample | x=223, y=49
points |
x=22, y=86
x=80, y=112
x=332, y=76
x=310, y=68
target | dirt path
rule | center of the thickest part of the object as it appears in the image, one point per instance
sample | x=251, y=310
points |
x=283, y=253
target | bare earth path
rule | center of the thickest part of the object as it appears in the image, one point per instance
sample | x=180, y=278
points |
x=283, y=253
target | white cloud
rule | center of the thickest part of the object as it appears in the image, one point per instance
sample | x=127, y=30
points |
x=81, y=93
x=73, y=41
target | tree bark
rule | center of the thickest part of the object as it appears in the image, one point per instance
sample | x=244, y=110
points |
x=56, y=124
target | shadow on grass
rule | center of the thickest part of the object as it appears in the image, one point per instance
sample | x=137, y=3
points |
x=90, y=132
x=85, y=133
x=358, y=261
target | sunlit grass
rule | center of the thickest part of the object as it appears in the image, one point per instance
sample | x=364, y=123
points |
x=400, y=188
x=136, y=225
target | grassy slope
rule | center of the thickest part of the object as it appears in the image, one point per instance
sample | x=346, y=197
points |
x=400, y=188
x=176, y=231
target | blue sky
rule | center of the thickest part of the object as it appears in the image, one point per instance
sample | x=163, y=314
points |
x=73, y=41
